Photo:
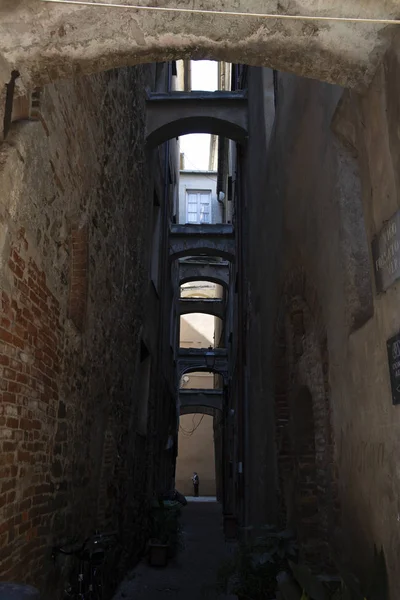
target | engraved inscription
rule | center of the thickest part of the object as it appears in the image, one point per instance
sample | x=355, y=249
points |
x=386, y=254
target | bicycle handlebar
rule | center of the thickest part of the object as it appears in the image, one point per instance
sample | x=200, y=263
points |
x=97, y=538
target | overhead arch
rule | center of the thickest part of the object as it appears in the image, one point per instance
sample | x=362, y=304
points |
x=204, y=248
x=214, y=307
x=197, y=399
x=184, y=370
x=47, y=41
x=196, y=410
x=213, y=272
x=194, y=294
x=195, y=124
x=201, y=241
x=193, y=279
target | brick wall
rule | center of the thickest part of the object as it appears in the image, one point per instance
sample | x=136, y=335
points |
x=30, y=358
x=304, y=441
x=73, y=257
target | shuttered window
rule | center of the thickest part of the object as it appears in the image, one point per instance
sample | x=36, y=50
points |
x=198, y=206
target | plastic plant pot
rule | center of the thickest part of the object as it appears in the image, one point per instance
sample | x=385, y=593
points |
x=158, y=554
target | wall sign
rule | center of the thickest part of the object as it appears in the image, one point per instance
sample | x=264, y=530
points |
x=386, y=254
x=393, y=348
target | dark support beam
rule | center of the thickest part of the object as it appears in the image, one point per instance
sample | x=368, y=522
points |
x=197, y=410
x=207, y=306
x=194, y=359
x=178, y=113
x=202, y=240
x=195, y=398
x=204, y=271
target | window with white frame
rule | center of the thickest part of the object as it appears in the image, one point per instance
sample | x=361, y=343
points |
x=198, y=206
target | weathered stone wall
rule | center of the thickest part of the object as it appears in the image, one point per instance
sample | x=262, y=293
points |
x=333, y=179
x=74, y=253
x=307, y=488
x=61, y=40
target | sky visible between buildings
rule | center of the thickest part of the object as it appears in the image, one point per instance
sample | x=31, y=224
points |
x=196, y=146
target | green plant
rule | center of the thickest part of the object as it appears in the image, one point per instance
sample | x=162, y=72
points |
x=312, y=587
x=276, y=547
x=349, y=587
x=375, y=588
x=166, y=528
x=251, y=572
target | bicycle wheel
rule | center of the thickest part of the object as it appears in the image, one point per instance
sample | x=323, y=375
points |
x=96, y=584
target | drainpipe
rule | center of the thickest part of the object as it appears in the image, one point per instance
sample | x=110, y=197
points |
x=241, y=474
x=221, y=174
x=164, y=309
x=243, y=403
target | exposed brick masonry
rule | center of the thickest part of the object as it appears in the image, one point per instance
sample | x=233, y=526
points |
x=301, y=368
x=30, y=369
x=72, y=284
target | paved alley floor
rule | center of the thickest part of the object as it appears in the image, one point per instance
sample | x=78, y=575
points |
x=191, y=575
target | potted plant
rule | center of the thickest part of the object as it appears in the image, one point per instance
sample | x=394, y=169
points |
x=166, y=533
x=158, y=553
x=346, y=586
x=252, y=571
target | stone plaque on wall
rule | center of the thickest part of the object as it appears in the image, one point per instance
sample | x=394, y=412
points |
x=393, y=348
x=386, y=254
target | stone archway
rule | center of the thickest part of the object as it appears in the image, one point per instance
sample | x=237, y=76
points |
x=209, y=279
x=45, y=41
x=304, y=440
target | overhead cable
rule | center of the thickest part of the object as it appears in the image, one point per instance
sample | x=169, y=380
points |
x=195, y=427
x=199, y=11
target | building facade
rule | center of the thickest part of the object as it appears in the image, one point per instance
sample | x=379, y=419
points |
x=307, y=397
x=83, y=382
x=198, y=204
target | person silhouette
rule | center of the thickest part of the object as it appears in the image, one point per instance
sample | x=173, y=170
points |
x=196, y=482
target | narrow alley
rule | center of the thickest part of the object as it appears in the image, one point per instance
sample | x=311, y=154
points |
x=199, y=299
x=193, y=572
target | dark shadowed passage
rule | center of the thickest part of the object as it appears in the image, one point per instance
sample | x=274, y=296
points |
x=192, y=574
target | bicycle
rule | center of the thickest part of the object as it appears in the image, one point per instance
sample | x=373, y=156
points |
x=91, y=555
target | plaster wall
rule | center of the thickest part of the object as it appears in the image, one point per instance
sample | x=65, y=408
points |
x=337, y=185
x=196, y=453
x=192, y=180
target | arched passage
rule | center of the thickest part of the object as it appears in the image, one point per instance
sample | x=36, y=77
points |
x=196, y=452
x=159, y=133
x=202, y=247
x=60, y=41
x=217, y=272
x=213, y=307
x=200, y=398
x=194, y=410
x=209, y=279
x=201, y=368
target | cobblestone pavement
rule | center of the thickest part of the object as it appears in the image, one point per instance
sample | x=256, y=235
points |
x=191, y=575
